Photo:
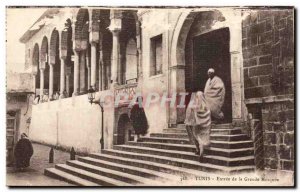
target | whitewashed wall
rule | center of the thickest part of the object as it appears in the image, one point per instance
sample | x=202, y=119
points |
x=71, y=122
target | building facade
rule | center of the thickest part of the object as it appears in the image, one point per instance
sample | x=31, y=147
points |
x=19, y=96
x=167, y=52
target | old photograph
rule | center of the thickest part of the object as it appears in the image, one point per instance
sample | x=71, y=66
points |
x=150, y=96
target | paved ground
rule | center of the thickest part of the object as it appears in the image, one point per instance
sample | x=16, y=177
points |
x=34, y=175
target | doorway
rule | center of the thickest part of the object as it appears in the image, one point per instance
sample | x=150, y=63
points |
x=211, y=50
x=125, y=130
x=11, y=136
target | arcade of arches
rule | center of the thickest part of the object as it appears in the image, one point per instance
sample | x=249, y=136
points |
x=99, y=49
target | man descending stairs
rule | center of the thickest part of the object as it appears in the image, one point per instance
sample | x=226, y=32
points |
x=161, y=159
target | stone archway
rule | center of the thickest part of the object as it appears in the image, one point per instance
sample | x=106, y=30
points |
x=66, y=53
x=222, y=18
x=44, y=68
x=82, y=47
x=54, y=64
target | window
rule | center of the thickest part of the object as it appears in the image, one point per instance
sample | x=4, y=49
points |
x=156, y=56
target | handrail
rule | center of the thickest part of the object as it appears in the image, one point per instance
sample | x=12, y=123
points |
x=119, y=87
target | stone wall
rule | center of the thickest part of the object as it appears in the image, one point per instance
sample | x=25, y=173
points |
x=256, y=134
x=278, y=130
x=268, y=53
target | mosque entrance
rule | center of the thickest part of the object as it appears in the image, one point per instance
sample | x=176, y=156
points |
x=211, y=50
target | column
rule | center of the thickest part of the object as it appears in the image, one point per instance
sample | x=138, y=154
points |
x=76, y=73
x=82, y=73
x=41, y=83
x=68, y=85
x=89, y=71
x=115, y=57
x=115, y=28
x=34, y=81
x=120, y=69
x=93, y=64
x=68, y=74
x=101, y=65
x=102, y=71
x=236, y=67
x=51, y=82
x=62, y=78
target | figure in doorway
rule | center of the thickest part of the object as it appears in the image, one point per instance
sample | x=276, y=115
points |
x=214, y=93
x=138, y=119
x=198, y=123
x=23, y=152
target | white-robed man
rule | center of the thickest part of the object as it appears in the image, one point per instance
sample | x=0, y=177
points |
x=214, y=94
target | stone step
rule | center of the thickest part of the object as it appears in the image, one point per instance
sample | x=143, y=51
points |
x=231, y=144
x=183, y=134
x=191, y=147
x=237, y=137
x=231, y=162
x=153, y=166
x=161, y=152
x=216, y=137
x=99, y=179
x=67, y=177
x=138, y=171
x=175, y=130
x=166, y=146
x=222, y=126
x=165, y=140
x=115, y=174
x=181, y=126
x=229, y=152
x=213, y=125
x=170, y=135
x=212, y=159
x=232, y=131
x=221, y=130
x=174, y=161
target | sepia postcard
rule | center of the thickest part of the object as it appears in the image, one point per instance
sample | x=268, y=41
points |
x=150, y=96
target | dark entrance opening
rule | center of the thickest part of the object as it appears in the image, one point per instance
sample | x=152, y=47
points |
x=125, y=130
x=211, y=50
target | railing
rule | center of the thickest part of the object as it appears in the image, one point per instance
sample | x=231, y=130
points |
x=45, y=97
x=128, y=89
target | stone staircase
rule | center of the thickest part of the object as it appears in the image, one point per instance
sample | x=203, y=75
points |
x=161, y=159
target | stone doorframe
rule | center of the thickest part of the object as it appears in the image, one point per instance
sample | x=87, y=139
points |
x=233, y=19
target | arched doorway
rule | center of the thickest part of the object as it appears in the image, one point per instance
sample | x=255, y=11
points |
x=124, y=130
x=196, y=32
x=208, y=48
